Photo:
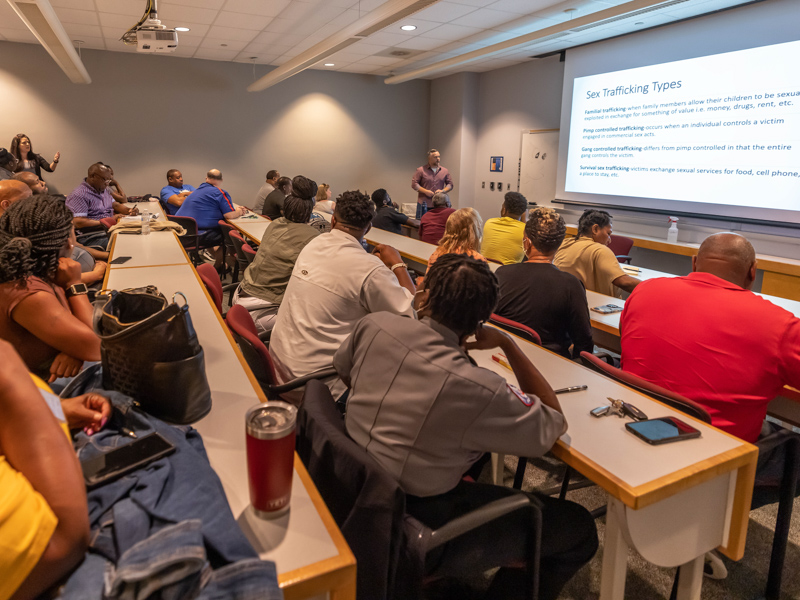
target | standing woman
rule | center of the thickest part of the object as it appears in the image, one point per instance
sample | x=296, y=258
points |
x=44, y=309
x=27, y=160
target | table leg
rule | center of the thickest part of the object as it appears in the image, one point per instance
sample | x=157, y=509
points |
x=690, y=579
x=615, y=554
x=498, y=467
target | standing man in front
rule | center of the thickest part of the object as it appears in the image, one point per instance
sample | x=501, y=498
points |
x=430, y=179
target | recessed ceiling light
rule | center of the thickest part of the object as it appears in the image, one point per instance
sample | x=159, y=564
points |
x=408, y=27
x=224, y=45
x=329, y=64
x=182, y=29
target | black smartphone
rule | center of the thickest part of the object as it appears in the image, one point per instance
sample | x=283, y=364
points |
x=607, y=309
x=663, y=430
x=122, y=460
x=119, y=260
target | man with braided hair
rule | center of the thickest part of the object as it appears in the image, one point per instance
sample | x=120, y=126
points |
x=334, y=283
x=44, y=309
x=535, y=293
x=426, y=413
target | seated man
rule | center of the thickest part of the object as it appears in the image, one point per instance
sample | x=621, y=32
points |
x=8, y=163
x=537, y=294
x=707, y=337
x=426, y=413
x=92, y=201
x=269, y=186
x=175, y=192
x=334, y=283
x=502, y=237
x=264, y=283
x=37, y=186
x=387, y=216
x=588, y=257
x=273, y=203
x=431, y=225
x=208, y=205
x=12, y=191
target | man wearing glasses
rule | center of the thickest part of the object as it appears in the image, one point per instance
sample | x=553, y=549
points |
x=92, y=201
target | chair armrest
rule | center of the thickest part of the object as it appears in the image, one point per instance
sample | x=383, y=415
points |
x=264, y=336
x=301, y=381
x=777, y=438
x=474, y=519
x=624, y=258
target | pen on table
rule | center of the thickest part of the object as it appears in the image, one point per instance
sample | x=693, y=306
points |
x=574, y=388
x=128, y=432
x=500, y=359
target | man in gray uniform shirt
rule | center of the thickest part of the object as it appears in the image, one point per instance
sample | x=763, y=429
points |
x=425, y=412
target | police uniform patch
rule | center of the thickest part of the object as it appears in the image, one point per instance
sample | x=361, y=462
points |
x=523, y=397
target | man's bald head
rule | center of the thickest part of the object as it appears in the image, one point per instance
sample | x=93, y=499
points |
x=729, y=256
x=12, y=191
x=32, y=181
x=214, y=177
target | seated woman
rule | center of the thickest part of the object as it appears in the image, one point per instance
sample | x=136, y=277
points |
x=537, y=294
x=324, y=202
x=44, y=309
x=588, y=257
x=265, y=280
x=462, y=235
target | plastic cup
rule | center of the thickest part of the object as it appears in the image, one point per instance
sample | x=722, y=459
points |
x=270, y=429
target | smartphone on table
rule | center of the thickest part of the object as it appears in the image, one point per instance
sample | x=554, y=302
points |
x=124, y=459
x=120, y=260
x=607, y=309
x=662, y=431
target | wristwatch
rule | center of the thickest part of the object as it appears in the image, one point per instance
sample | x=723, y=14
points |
x=79, y=289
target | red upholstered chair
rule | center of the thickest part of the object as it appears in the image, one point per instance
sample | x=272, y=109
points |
x=228, y=248
x=249, y=253
x=257, y=355
x=210, y=278
x=518, y=329
x=621, y=246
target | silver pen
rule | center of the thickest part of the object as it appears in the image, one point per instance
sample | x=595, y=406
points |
x=574, y=388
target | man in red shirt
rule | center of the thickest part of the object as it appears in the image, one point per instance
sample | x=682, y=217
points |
x=708, y=337
x=431, y=225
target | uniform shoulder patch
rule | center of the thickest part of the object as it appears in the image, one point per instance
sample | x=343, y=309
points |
x=523, y=397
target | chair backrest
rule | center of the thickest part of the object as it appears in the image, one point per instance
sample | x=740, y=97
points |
x=676, y=401
x=168, y=209
x=249, y=253
x=226, y=228
x=255, y=352
x=365, y=501
x=208, y=274
x=523, y=331
x=238, y=243
x=620, y=245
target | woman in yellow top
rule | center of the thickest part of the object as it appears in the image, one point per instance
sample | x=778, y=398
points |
x=588, y=257
x=462, y=235
x=44, y=519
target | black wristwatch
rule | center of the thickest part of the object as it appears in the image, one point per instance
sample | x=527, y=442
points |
x=79, y=289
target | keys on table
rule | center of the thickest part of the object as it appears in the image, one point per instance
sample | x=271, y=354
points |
x=620, y=409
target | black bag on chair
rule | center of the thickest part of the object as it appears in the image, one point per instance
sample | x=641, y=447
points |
x=150, y=351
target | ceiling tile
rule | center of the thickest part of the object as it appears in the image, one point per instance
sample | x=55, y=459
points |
x=524, y=7
x=525, y=25
x=172, y=14
x=80, y=4
x=485, y=18
x=223, y=54
x=120, y=22
x=217, y=44
x=422, y=43
x=384, y=38
x=364, y=48
x=230, y=33
x=77, y=30
x=451, y=32
x=359, y=68
x=242, y=21
x=444, y=12
x=272, y=8
x=11, y=20
x=280, y=25
x=18, y=35
x=121, y=7
x=97, y=43
x=82, y=17
x=421, y=27
x=379, y=60
x=212, y=4
x=263, y=59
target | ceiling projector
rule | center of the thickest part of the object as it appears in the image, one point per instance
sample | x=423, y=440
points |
x=149, y=35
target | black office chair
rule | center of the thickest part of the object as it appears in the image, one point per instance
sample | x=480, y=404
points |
x=390, y=546
x=189, y=240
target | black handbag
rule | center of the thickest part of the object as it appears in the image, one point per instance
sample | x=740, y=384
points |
x=149, y=351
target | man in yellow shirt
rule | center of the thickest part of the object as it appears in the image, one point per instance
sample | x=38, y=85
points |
x=502, y=237
x=44, y=519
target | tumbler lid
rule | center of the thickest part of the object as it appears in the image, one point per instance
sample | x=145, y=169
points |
x=271, y=420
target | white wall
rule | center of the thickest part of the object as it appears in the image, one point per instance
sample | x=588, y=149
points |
x=145, y=114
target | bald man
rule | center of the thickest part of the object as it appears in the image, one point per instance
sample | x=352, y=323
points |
x=708, y=337
x=38, y=186
x=12, y=191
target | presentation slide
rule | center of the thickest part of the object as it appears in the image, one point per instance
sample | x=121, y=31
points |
x=719, y=129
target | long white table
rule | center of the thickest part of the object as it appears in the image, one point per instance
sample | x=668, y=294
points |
x=671, y=503
x=311, y=556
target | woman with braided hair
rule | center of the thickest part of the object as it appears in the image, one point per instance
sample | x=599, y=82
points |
x=44, y=309
x=537, y=294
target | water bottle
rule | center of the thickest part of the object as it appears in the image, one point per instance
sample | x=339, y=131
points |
x=145, y=222
x=672, y=232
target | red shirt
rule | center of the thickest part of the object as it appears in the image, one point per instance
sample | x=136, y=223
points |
x=716, y=343
x=431, y=225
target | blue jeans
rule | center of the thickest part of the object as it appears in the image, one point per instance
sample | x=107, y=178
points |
x=422, y=208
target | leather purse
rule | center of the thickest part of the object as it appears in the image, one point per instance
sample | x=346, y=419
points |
x=149, y=351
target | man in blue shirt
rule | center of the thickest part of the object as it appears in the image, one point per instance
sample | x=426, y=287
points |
x=174, y=193
x=207, y=205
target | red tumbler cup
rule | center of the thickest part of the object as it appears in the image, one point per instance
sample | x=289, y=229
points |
x=270, y=430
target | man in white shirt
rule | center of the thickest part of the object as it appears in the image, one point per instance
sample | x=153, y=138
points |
x=333, y=285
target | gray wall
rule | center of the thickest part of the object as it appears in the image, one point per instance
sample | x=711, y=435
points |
x=144, y=114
